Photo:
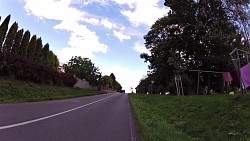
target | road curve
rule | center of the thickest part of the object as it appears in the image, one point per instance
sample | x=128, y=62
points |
x=106, y=117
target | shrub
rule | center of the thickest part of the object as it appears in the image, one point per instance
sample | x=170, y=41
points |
x=12, y=65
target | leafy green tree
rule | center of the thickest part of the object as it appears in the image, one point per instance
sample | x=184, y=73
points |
x=8, y=43
x=107, y=81
x=3, y=30
x=25, y=44
x=115, y=85
x=190, y=37
x=84, y=69
x=32, y=48
x=144, y=85
x=17, y=41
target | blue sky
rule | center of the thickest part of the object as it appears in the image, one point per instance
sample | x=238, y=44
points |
x=109, y=32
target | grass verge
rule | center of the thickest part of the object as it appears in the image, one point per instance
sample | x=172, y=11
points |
x=211, y=117
x=14, y=91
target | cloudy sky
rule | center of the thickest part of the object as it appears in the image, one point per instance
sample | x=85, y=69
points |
x=109, y=32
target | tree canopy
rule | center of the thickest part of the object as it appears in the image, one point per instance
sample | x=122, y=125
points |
x=8, y=43
x=17, y=41
x=3, y=30
x=84, y=69
x=191, y=37
x=111, y=82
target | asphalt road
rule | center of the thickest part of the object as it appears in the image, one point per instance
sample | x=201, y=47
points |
x=106, y=117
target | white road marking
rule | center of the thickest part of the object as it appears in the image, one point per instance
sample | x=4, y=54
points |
x=133, y=138
x=50, y=116
x=130, y=122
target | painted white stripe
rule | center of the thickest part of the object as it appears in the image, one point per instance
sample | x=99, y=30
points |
x=50, y=116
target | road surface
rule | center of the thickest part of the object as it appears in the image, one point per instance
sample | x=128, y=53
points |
x=106, y=117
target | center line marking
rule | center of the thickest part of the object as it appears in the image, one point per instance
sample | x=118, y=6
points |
x=50, y=116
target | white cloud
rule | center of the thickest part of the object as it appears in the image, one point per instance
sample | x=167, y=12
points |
x=126, y=77
x=106, y=23
x=139, y=12
x=53, y=10
x=83, y=42
x=120, y=35
x=130, y=3
x=87, y=2
x=143, y=12
x=139, y=47
x=93, y=21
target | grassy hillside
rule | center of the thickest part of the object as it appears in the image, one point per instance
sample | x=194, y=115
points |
x=211, y=117
x=13, y=91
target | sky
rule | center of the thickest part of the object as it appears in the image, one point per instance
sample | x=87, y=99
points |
x=109, y=32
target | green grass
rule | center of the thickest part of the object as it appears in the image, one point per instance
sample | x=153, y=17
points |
x=13, y=91
x=188, y=118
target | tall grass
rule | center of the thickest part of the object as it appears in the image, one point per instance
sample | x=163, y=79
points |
x=14, y=91
x=210, y=117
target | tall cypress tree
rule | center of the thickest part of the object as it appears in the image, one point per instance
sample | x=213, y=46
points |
x=32, y=48
x=25, y=43
x=17, y=41
x=3, y=30
x=55, y=62
x=39, y=46
x=50, y=59
x=45, y=54
x=8, y=43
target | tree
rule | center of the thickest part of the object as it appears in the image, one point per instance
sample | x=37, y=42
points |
x=8, y=43
x=217, y=42
x=106, y=81
x=3, y=30
x=84, y=69
x=143, y=86
x=190, y=37
x=25, y=44
x=112, y=76
x=45, y=54
x=32, y=48
x=238, y=12
x=53, y=60
x=115, y=85
x=39, y=46
x=50, y=58
x=17, y=41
